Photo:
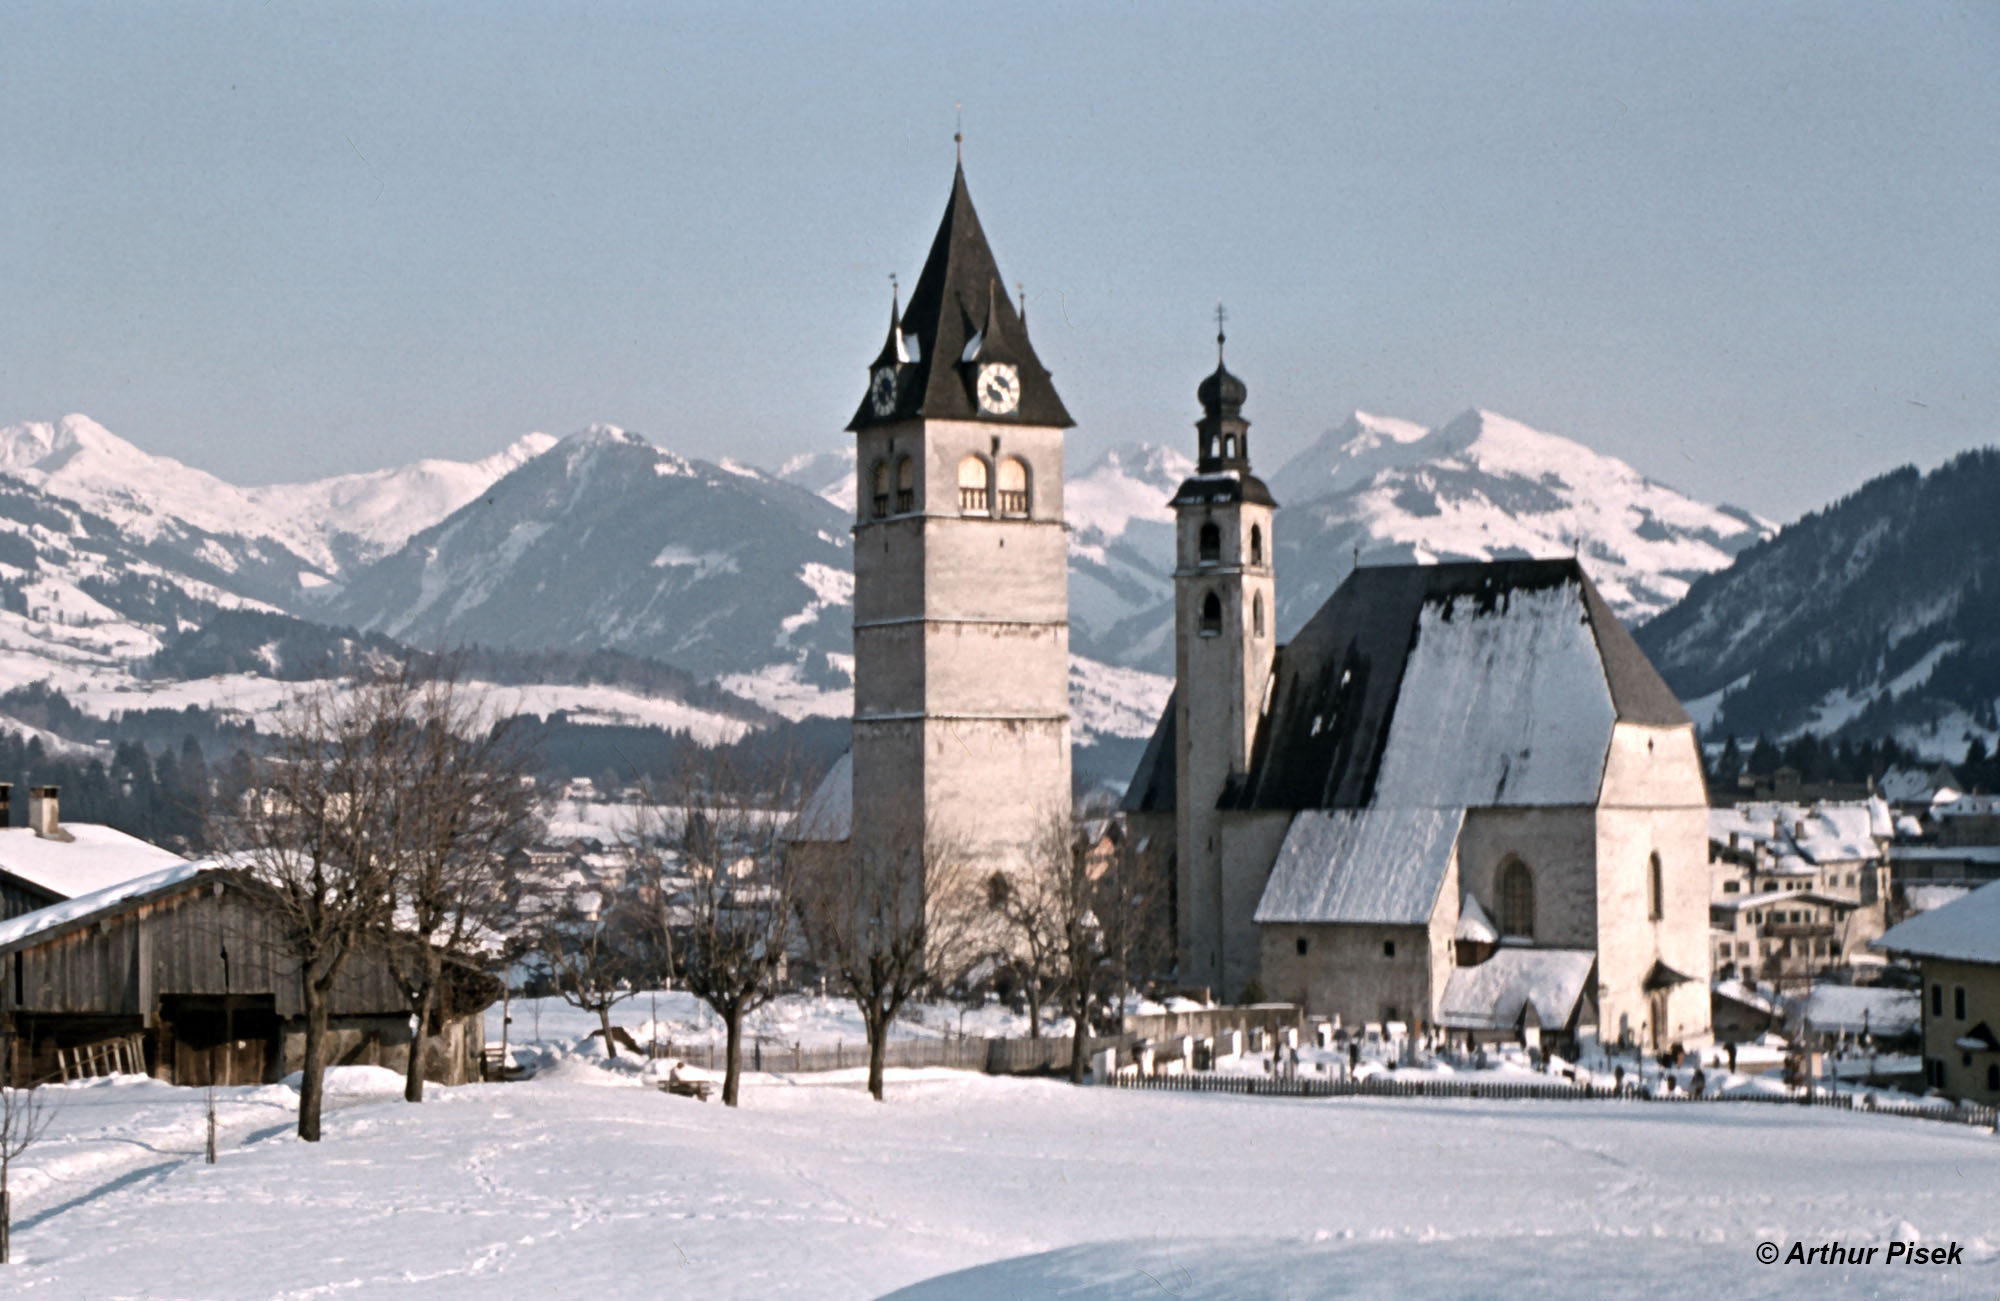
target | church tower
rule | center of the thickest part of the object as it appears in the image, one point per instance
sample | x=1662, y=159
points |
x=1223, y=625
x=961, y=579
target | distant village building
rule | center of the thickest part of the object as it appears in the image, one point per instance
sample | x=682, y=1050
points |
x=961, y=580
x=1461, y=796
x=1957, y=951
x=49, y=860
x=1797, y=890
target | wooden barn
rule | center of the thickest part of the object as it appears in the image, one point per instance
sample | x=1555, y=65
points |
x=185, y=968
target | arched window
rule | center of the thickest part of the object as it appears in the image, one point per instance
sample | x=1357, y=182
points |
x=1656, y=890
x=906, y=486
x=1211, y=615
x=1517, y=900
x=1256, y=544
x=1013, y=487
x=973, y=481
x=879, y=488
x=1257, y=615
x=1210, y=544
x=1228, y=447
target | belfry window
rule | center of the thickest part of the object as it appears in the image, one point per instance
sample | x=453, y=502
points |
x=1256, y=545
x=1656, y=890
x=1257, y=615
x=1517, y=900
x=1013, y=487
x=974, y=480
x=1211, y=615
x=906, y=486
x=1210, y=544
x=879, y=488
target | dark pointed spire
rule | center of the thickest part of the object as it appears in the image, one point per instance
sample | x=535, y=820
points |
x=893, y=352
x=957, y=298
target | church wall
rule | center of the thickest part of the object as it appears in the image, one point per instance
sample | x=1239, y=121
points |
x=1019, y=669
x=1660, y=808
x=889, y=669
x=981, y=568
x=1346, y=972
x=888, y=570
x=1559, y=847
x=1249, y=845
x=1037, y=447
x=992, y=783
x=888, y=790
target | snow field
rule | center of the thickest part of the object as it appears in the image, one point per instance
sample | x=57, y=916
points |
x=973, y=1186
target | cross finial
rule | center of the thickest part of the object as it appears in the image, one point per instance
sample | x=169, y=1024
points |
x=958, y=130
x=1221, y=318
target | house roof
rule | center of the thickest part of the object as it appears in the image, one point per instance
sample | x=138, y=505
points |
x=1765, y=898
x=1361, y=865
x=1474, y=924
x=1464, y=684
x=1152, y=788
x=1967, y=930
x=42, y=924
x=1496, y=994
x=959, y=317
x=1832, y=1009
x=93, y=858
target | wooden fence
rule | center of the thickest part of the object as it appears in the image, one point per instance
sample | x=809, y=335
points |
x=125, y=1055
x=1384, y=1086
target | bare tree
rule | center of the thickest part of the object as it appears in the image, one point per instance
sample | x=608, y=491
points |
x=599, y=945
x=1029, y=907
x=886, y=926
x=23, y=1120
x=1111, y=910
x=734, y=915
x=467, y=804
x=319, y=828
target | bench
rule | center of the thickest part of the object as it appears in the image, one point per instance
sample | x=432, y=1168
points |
x=696, y=1089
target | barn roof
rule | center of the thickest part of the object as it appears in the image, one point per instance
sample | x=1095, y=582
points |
x=1467, y=684
x=45, y=923
x=94, y=858
x=1361, y=865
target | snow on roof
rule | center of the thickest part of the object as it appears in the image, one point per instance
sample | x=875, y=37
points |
x=1909, y=826
x=1915, y=785
x=1983, y=806
x=1825, y=831
x=1495, y=994
x=1965, y=931
x=1923, y=898
x=829, y=814
x=1737, y=991
x=1768, y=897
x=1474, y=924
x=94, y=858
x=1361, y=865
x=1945, y=854
x=1833, y=1009
x=1506, y=705
x=16, y=929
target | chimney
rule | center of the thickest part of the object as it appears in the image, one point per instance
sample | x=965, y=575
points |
x=6, y=804
x=42, y=813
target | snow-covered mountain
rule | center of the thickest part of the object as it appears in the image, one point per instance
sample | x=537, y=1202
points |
x=1121, y=554
x=606, y=541
x=1484, y=487
x=829, y=474
x=1879, y=615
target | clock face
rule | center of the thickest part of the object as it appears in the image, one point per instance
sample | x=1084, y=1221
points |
x=882, y=391
x=999, y=388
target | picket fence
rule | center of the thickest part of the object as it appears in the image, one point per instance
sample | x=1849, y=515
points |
x=971, y=1053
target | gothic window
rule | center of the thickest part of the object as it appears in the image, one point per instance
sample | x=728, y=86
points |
x=1210, y=544
x=1656, y=890
x=1013, y=487
x=973, y=481
x=1517, y=900
x=1256, y=545
x=879, y=477
x=906, y=486
x=1211, y=615
x=1257, y=615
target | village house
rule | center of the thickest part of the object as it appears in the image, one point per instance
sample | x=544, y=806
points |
x=49, y=860
x=1957, y=951
x=183, y=973
x=1797, y=890
x=1461, y=797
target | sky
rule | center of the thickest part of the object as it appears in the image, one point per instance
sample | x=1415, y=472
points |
x=1749, y=249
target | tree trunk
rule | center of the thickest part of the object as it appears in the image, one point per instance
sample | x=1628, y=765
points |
x=413, y=1072
x=732, y=1071
x=1034, y=1009
x=1080, y=1044
x=312, y=1081
x=878, y=1035
x=604, y=1019
x=6, y=1227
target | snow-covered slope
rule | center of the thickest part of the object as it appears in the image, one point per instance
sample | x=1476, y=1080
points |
x=608, y=542
x=1484, y=487
x=363, y=517
x=1121, y=554
x=829, y=474
x=1875, y=616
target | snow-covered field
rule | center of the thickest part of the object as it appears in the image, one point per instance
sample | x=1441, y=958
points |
x=582, y=1182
